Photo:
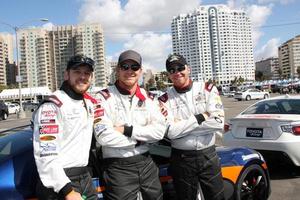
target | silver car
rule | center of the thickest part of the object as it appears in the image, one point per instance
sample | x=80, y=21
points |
x=249, y=94
x=271, y=126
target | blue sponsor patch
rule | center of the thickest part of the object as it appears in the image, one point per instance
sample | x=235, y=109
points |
x=99, y=128
x=47, y=147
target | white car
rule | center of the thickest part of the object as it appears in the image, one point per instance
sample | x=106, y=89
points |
x=13, y=108
x=249, y=94
x=271, y=126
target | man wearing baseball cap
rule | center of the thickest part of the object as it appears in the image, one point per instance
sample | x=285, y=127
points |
x=194, y=112
x=129, y=121
x=63, y=127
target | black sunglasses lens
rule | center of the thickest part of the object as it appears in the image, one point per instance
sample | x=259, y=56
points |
x=135, y=67
x=124, y=67
x=173, y=69
x=181, y=68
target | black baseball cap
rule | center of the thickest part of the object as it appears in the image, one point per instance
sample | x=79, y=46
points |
x=79, y=60
x=130, y=55
x=175, y=59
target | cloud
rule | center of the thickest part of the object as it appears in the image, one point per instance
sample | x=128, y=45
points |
x=140, y=25
x=258, y=15
x=154, y=49
x=135, y=16
x=48, y=26
x=270, y=49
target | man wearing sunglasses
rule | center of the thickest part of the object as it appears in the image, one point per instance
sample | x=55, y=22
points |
x=63, y=128
x=130, y=121
x=194, y=112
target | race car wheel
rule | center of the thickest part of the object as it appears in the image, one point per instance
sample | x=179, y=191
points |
x=248, y=98
x=252, y=184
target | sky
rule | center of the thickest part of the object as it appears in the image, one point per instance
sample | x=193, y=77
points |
x=144, y=25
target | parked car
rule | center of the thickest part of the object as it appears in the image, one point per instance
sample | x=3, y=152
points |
x=249, y=94
x=30, y=106
x=13, y=108
x=271, y=126
x=244, y=171
x=3, y=111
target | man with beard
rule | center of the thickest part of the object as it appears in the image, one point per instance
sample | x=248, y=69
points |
x=194, y=112
x=63, y=127
x=128, y=121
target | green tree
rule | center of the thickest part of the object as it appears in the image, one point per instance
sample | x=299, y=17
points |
x=2, y=87
x=279, y=71
x=259, y=76
x=298, y=72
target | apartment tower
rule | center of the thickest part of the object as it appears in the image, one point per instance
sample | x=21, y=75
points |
x=289, y=57
x=44, y=54
x=6, y=55
x=216, y=42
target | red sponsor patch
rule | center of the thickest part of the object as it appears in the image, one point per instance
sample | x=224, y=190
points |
x=49, y=113
x=48, y=121
x=49, y=129
x=99, y=113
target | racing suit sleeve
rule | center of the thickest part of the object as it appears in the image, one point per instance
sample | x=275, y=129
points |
x=214, y=119
x=177, y=128
x=47, y=138
x=154, y=130
x=104, y=130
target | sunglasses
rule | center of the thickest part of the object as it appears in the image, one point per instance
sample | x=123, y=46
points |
x=133, y=67
x=81, y=60
x=178, y=68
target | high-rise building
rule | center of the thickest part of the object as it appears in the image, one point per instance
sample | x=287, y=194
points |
x=35, y=58
x=6, y=55
x=216, y=42
x=269, y=68
x=44, y=54
x=112, y=71
x=289, y=57
x=89, y=40
x=11, y=73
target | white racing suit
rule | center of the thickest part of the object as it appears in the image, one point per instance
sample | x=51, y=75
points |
x=62, y=136
x=128, y=152
x=194, y=115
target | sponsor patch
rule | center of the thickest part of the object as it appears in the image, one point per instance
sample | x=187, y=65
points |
x=219, y=106
x=49, y=129
x=163, y=98
x=47, y=138
x=99, y=113
x=140, y=103
x=48, y=154
x=49, y=113
x=97, y=120
x=47, y=121
x=46, y=147
x=99, y=128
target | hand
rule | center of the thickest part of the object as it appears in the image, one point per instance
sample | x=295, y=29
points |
x=73, y=196
x=206, y=115
x=119, y=129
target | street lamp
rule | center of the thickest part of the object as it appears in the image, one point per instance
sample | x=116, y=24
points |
x=21, y=114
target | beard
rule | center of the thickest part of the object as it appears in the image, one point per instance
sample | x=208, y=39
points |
x=79, y=88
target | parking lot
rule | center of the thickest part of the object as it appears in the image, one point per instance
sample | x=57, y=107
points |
x=285, y=179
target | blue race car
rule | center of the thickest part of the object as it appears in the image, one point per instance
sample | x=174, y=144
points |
x=244, y=170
